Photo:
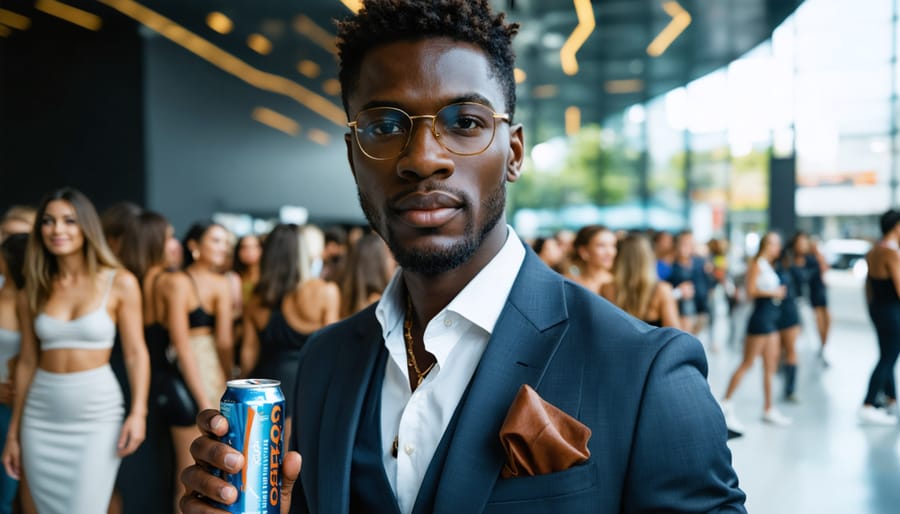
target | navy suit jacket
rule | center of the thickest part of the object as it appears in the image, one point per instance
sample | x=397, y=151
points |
x=658, y=442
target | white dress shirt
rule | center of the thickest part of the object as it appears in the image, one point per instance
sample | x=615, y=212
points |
x=457, y=337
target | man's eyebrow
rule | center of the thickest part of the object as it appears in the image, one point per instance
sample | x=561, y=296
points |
x=380, y=103
x=473, y=98
x=468, y=97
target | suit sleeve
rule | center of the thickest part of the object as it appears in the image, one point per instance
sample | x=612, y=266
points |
x=298, y=495
x=679, y=458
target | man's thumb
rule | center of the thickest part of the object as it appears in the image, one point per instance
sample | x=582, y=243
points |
x=290, y=470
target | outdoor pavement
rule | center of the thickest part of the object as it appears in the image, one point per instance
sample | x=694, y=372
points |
x=826, y=462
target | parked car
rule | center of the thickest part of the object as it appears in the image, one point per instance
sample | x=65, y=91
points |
x=847, y=254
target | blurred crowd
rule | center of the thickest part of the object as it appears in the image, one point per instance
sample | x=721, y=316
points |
x=215, y=306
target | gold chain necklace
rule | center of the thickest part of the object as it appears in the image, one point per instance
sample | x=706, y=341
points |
x=410, y=362
x=408, y=339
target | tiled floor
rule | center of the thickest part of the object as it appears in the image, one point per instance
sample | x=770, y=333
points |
x=826, y=462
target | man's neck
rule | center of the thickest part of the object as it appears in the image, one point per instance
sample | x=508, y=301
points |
x=431, y=293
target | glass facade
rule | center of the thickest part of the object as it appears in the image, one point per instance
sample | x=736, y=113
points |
x=821, y=90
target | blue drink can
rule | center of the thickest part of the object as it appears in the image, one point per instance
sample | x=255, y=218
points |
x=254, y=409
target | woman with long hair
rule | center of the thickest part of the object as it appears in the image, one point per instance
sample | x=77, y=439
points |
x=12, y=259
x=242, y=277
x=144, y=479
x=549, y=251
x=18, y=219
x=116, y=220
x=767, y=291
x=635, y=287
x=788, y=322
x=205, y=252
x=811, y=259
x=593, y=253
x=369, y=268
x=245, y=262
x=287, y=305
x=192, y=311
x=66, y=396
x=882, y=286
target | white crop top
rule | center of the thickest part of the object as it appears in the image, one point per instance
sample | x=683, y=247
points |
x=10, y=341
x=767, y=280
x=92, y=331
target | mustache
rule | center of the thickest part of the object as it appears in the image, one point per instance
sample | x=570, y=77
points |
x=458, y=194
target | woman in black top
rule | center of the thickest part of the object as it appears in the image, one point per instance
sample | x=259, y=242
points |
x=882, y=284
x=788, y=322
x=287, y=305
x=814, y=266
x=145, y=479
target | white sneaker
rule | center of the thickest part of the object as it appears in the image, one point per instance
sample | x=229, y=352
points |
x=822, y=358
x=731, y=420
x=869, y=415
x=773, y=417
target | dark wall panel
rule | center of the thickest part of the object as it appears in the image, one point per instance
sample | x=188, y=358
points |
x=71, y=111
x=206, y=154
x=782, y=195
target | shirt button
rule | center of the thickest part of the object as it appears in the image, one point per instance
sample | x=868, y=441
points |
x=409, y=449
x=448, y=322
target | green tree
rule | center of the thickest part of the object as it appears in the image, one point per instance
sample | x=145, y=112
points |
x=590, y=174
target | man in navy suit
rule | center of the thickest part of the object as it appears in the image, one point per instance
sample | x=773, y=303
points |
x=398, y=409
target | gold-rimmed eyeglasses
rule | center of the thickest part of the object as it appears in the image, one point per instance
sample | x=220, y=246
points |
x=464, y=128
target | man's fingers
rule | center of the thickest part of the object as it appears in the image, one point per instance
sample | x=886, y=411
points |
x=211, y=422
x=192, y=505
x=290, y=470
x=216, y=454
x=197, y=479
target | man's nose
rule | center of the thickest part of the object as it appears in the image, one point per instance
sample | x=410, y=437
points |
x=424, y=155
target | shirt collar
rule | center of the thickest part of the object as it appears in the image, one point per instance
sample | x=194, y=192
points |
x=481, y=301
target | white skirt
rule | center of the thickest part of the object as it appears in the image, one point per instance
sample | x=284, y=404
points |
x=70, y=427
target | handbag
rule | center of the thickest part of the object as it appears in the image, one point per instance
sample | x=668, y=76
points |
x=174, y=399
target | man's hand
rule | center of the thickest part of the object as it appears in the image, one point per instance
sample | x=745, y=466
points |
x=201, y=486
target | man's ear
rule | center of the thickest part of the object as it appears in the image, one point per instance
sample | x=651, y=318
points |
x=348, y=140
x=516, y=153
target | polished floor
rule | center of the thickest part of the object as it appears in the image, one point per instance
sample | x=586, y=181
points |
x=826, y=462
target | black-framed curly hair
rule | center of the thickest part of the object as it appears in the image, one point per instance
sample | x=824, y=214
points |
x=381, y=22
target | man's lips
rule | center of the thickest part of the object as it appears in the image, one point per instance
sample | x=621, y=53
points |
x=428, y=210
x=427, y=201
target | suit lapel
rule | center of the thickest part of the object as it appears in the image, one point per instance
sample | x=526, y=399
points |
x=523, y=342
x=340, y=417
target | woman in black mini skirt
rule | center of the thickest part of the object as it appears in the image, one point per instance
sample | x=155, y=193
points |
x=765, y=288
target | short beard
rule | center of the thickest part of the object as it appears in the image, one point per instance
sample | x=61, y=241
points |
x=437, y=260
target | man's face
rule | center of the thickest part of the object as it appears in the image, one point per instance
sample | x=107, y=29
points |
x=432, y=207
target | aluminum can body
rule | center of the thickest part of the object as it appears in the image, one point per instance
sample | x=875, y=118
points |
x=254, y=409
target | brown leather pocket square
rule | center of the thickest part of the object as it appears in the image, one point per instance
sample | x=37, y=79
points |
x=539, y=438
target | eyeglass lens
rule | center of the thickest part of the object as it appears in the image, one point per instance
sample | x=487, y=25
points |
x=462, y=128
